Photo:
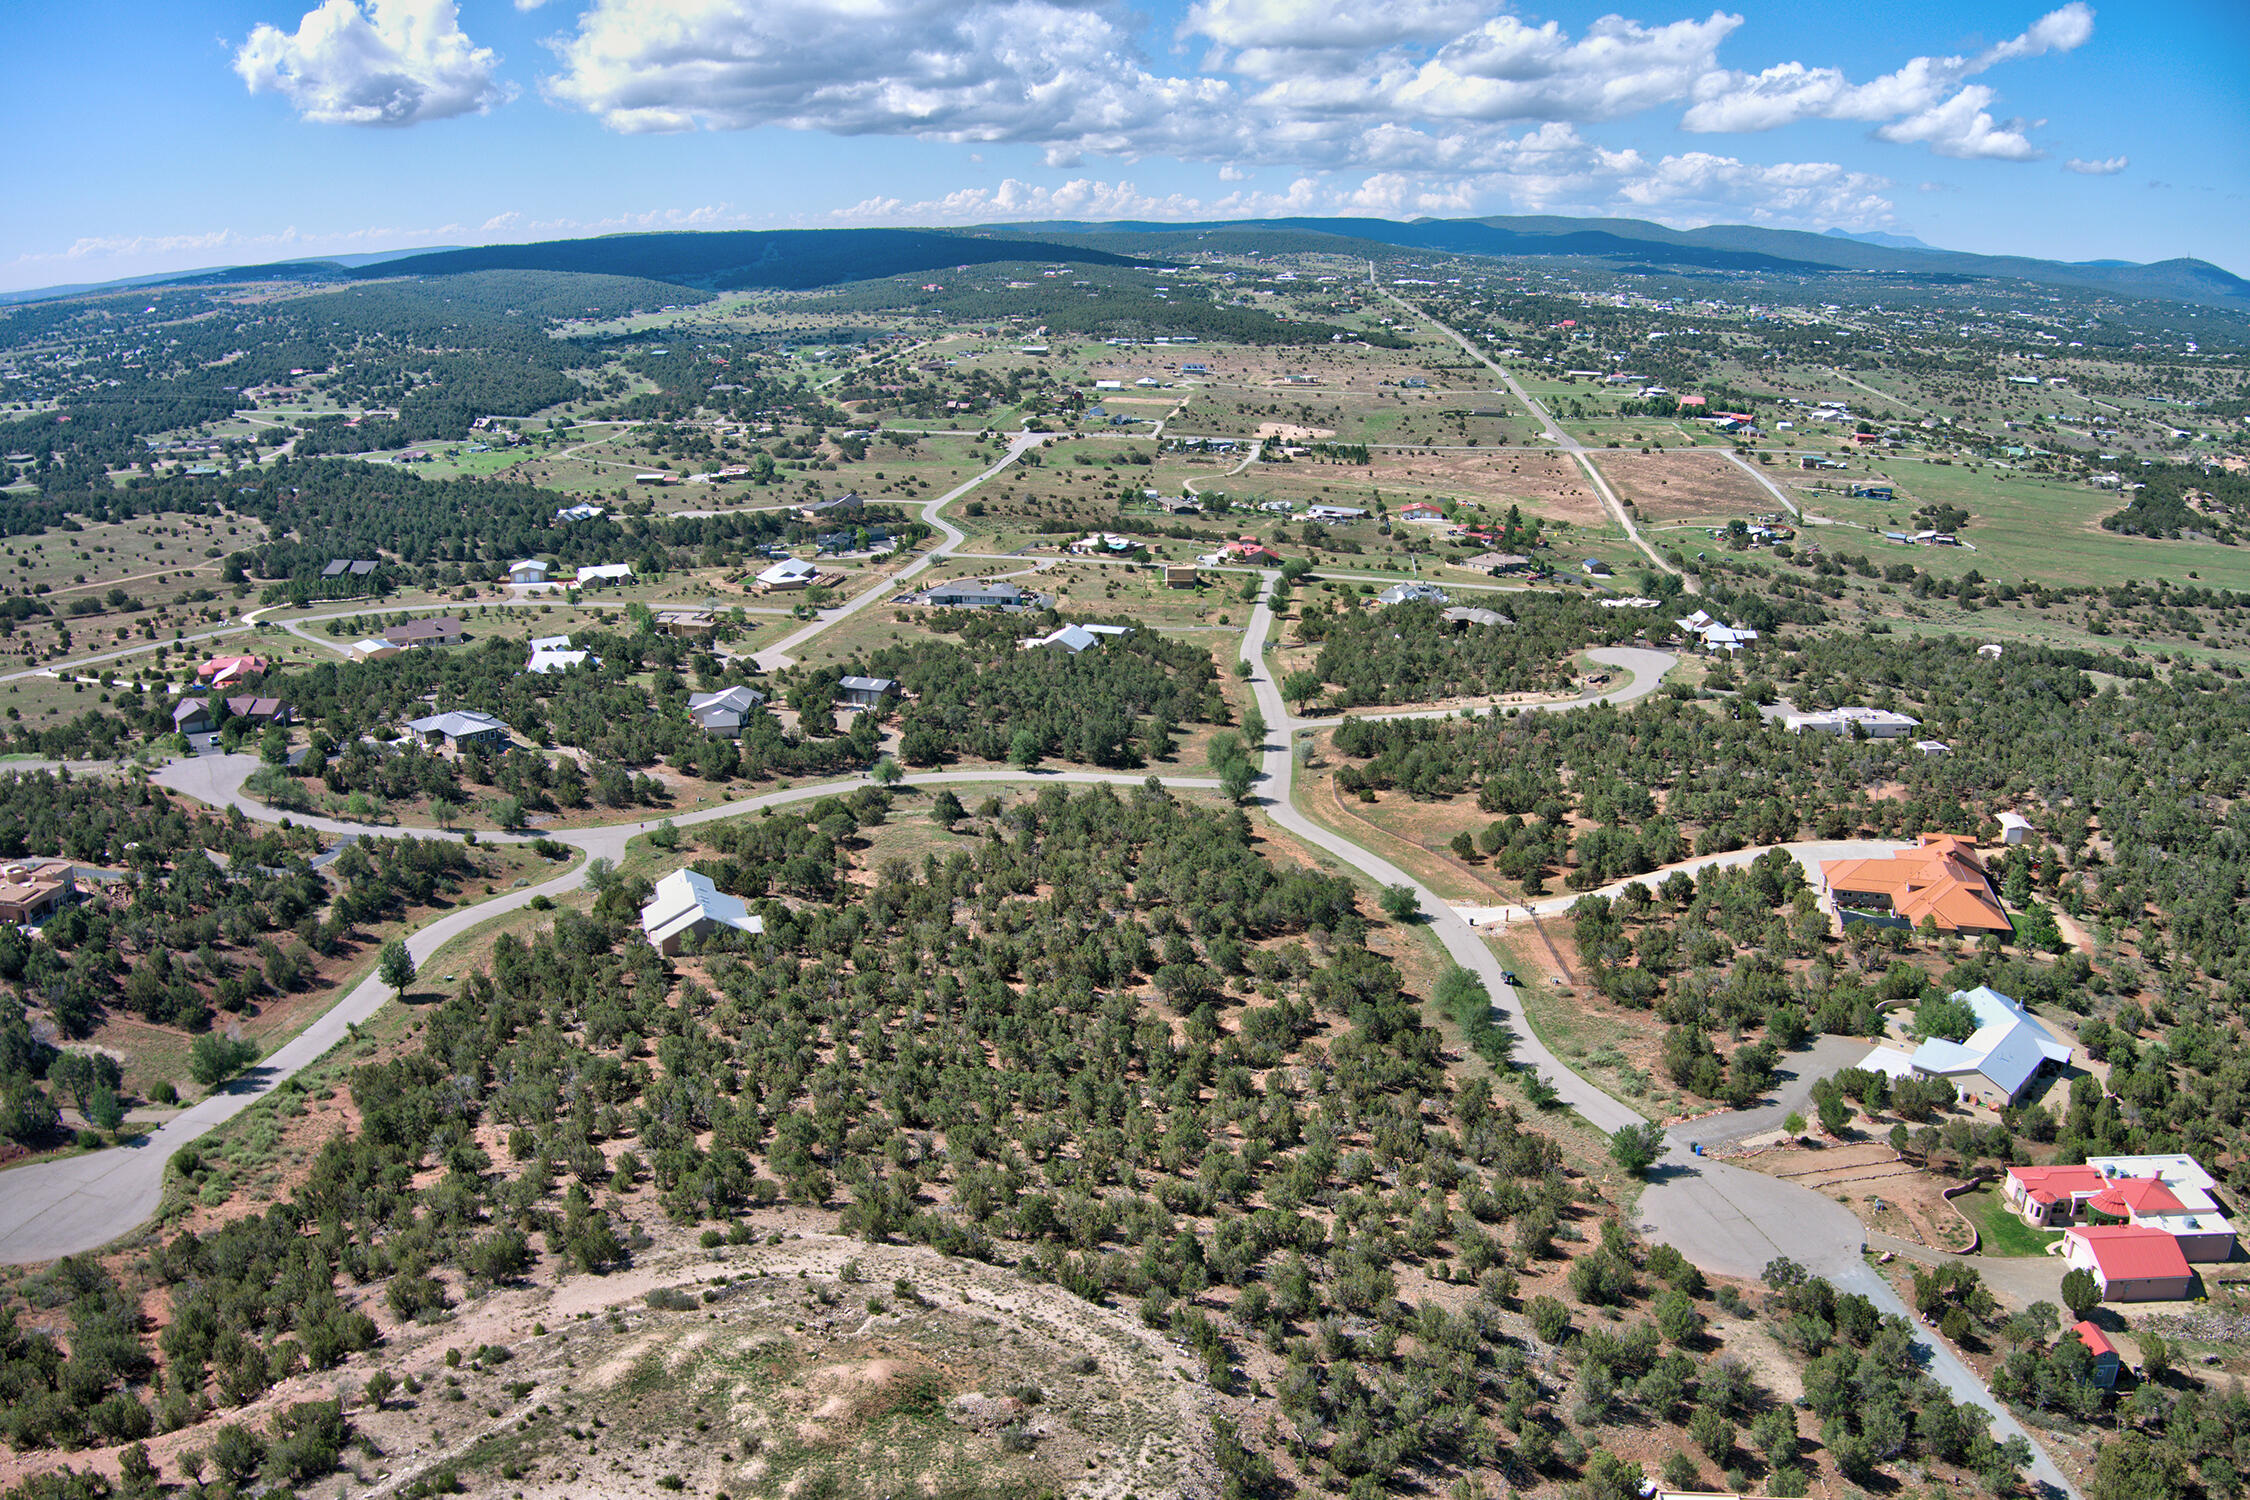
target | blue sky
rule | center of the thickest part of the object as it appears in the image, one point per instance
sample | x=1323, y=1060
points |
x=166, y=136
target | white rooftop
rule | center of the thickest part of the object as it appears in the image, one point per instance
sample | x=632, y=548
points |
x=2007, y=1046
x=685, y=898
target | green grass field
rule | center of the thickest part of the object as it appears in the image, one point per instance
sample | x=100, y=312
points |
x=2000, y=1231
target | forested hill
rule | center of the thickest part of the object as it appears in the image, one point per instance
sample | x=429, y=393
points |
x=792, y=258
x=1735, y=247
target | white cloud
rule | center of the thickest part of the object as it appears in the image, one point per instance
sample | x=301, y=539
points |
x=1927, y=101
x=1548, y=170
x=2108, y=167
x=396, y=62
x=1962, y=127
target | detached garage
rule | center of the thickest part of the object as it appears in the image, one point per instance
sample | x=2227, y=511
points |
x=2129, y=1263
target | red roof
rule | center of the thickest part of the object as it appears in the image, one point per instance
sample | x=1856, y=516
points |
x=2094, y=1340
x=2128, y=1252
x=2052, y=1184
x=2130, y=1196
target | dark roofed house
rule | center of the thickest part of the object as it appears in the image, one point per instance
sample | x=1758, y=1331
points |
x=846, y=504
x=192, y=716
x=364, y=567
x=336, y=568
x=258, y=710
x=866, y=692
x=442, y=630
x=967, y=593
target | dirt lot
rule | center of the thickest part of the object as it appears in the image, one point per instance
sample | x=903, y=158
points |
x=1547, y=483
x=1685, y=486
x=1890, y=1195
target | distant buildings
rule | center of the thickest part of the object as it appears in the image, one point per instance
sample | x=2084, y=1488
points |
x=847, y=504
x=345, y=567
x=1461, y=615
x=790, y=573
x=571, y=513
x=527, y=571
x=1335, y=513
x=968, y=593
x=606, y=573
x=225, y=671
x=1076, y=638
x=1411, y=593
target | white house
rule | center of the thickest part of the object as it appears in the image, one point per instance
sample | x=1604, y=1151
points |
x=1336, y=513
x=529, y=570
x=789, y=573
x=545, y=663
x=2001, y=1057
x=2014, y=827
x=1412, y=593
x=606, y=573
x=459, y=727
x=722, y=712
x=579, y=513
x=688, y=905
x=1875, y=723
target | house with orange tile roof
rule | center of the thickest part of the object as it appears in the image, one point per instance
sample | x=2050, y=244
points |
x=1940, y=878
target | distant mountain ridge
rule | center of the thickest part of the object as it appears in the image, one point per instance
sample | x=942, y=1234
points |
x=803, y=258
x=1738, y=247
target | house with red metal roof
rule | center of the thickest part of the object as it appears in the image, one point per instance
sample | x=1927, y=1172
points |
x=2130, y=1263
x=2168, y=1193
x=2106, y=1361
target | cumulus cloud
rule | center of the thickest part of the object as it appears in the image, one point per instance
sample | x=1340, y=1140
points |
x=394, y=62
x=1552, y=169
x=1928, y=101
x=1962, y=127
x=2107, y=167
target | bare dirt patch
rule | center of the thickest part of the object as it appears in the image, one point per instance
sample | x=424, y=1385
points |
x=1550, y=484
x=1684, y=486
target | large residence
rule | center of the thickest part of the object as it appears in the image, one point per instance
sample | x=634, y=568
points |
x=1940, y=878
x=722, y=712
x=442, y=630
x=1412, y=593
x=2171, y=1193
x=2000, y=1059
x=968, y=593
x=1874, y=723
x=687, y=905
x=789, y=573
x=460, y=727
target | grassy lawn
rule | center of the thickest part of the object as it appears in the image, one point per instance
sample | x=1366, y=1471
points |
x=2001, y=1232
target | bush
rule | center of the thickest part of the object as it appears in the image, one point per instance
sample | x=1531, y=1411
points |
x=214, y=1059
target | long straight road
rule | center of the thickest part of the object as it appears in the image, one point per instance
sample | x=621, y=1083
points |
x=1556, y=435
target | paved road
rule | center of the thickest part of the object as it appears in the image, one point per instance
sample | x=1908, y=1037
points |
x=1559, y=438
x=1723, y=1218
x=776, y=656
x=80, y=1203
x=1810, y=855
x=1647, y=668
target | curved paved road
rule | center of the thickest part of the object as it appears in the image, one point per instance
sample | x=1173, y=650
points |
x=1723, y=1218
x=776, y=656
x=81, y=1203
